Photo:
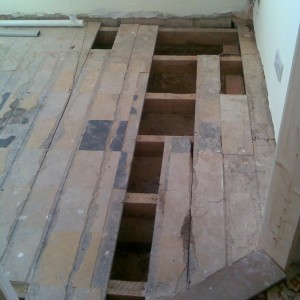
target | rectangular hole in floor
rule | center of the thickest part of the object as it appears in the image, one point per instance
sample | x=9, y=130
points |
x=194, y=41
x=232, y=77
x=145, y=170
x=169, y=116
x=170, y=75
x=132, y=255
x=105, y=38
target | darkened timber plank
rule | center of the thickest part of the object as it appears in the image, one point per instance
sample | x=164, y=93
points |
x=243, y=280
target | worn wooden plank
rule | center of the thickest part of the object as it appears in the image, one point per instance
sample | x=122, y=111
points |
x=243, y=217
x=82, y=275
x=6, y=288
x=155, y=139
x=20, y=253
x=108, y=242
x=139, y=198
x=280, y=231
x=5, y=44
x=207, y=122
x=69, y=220
x=264, y=155
x=236, y=130
x=168, y=272
x=55, y=167
x=200, y=36
x=208, y=233
x=169, y=103
x=33, y=94
x=231, y=49
x=207, y=244
x=243, y=280
x=13, y=57
x=90, y=34
x=126, y=288
x=261, y=122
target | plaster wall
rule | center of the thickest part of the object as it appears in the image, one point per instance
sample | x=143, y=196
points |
x=121, y=8
x=276, y=26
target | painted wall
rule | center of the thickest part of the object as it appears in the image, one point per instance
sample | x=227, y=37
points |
x=121, y=8
x=276, y=26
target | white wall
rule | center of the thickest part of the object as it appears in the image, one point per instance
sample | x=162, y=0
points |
x=276, y=25
x=119, y=8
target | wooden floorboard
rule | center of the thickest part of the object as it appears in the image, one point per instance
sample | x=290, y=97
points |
x=47, y=184
x=208, y=233
x=73, y=124
x=169, y=257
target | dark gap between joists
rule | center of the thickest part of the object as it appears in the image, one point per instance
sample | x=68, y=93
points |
x=105, y=38
x=167, y=114
x=145, y=169
x=232, y=76
x=132, y=254
x=173, y=74
x=194, y=41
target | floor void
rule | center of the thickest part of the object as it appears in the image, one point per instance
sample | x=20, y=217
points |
x=134, y=160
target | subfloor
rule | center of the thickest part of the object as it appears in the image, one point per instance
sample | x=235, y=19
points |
x=134, y=160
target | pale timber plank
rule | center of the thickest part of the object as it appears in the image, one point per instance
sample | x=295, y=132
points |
x=242, y=206
x=139, y=198
x=200, y=36
x=208, y=240
x=236, y=130
x=126, y=288
x=264, y=157
x=93, y=231
x=261, y=123
x=208, y=233
x=24, y=170
x=49, y=181
x=31, y=92
x=5, y=44
x=114, y=212
x=12, y=58
x=171, y=243
x=90, y=34
x=207, y=112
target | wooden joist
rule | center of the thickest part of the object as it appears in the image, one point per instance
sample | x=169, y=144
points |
x=126, y=288
x=167, y=103
x=199, y=36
